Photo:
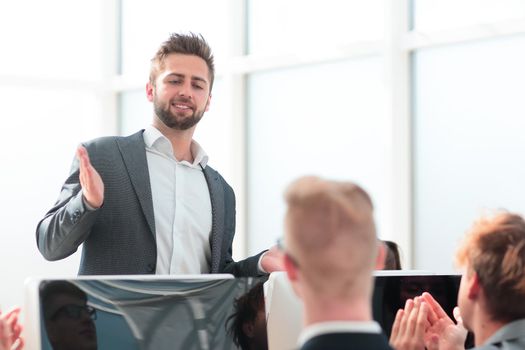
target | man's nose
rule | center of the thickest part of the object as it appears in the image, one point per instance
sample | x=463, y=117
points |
x=185, y=90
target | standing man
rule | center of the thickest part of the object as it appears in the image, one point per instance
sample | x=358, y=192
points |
x=331, y=250
x=491, y=297
x=149, y=203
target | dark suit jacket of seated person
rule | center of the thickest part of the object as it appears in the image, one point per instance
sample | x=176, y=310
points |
x=130, y=231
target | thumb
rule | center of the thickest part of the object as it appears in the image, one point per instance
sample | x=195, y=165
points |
x=457, y=316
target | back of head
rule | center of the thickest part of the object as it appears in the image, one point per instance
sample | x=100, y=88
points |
x=495, y=250
x=330, y=233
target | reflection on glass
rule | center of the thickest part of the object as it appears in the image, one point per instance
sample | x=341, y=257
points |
x=391, y=293
x=146, y=314
x=69, y=321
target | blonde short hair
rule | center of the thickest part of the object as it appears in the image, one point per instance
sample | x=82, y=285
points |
x=330, y=231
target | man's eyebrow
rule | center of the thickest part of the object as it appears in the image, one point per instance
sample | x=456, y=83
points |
x=199, y=79
x=194, y=77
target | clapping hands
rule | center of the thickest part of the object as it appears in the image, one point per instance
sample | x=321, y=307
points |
x=423, y=324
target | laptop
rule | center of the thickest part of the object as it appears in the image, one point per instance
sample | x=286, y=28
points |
x=132, y=312
x=392, y=288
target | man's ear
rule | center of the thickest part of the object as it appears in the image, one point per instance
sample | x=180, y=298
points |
x=150, y=91
x=474, y=286
x=247, y=329
x=381, y=255
x=208, y=103
x=290, y=268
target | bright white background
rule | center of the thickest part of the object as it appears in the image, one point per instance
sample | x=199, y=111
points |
x=421, y=102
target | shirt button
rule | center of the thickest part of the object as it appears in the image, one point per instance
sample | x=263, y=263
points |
x=76, y=216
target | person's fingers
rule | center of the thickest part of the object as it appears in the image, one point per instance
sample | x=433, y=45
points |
x=422, y=321
x=403, y=329
x=412, y=318
x=13, y=329
x=81, y=154
x=396, y=327
x=4, y=335
x=12, y=317
x=457, y=315
x=431, y=315
x=434, y=305
x=19, y=344
x=85, y=166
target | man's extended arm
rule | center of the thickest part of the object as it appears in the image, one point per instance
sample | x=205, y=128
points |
x=69, y=222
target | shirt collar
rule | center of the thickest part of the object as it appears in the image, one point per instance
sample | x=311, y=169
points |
x=154, y=139
x=321, y=328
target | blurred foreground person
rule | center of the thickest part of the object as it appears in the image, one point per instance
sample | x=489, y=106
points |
x=330, y=252
x=491, y=298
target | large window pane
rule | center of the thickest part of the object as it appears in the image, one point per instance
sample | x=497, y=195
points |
x=41, y=129
x=146, y=24
x=37, y=42
x=432, y=15
x=328, y=120
x=469, y=142
x=285, y=26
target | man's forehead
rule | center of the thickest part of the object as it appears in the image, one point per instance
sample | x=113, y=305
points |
x=186, y=65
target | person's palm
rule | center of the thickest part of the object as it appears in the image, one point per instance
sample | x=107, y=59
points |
x=90, y=180
x=444, y=334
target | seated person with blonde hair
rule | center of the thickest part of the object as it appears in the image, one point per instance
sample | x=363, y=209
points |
x=491, y=298
x=330, y=251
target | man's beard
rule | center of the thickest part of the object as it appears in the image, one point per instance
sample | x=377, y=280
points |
x=171, y=120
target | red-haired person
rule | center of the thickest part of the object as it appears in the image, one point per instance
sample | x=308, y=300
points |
x=491, y=298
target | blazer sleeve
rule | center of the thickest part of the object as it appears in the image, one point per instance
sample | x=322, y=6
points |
x=243, y=268
x=68, y=223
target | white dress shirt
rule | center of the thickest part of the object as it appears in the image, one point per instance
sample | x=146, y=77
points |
x=181, y=205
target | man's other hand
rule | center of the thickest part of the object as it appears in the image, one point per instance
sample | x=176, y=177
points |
x=90, y=180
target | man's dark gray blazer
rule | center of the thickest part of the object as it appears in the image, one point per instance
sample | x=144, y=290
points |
x=119, y=237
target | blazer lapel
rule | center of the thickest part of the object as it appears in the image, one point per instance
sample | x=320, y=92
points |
x=133, y=152
x=217, y=210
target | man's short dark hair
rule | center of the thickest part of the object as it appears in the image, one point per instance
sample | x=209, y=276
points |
x=184, y=44
x=246, y=308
